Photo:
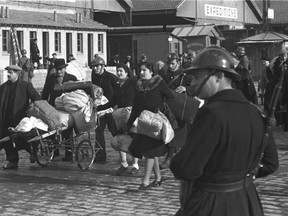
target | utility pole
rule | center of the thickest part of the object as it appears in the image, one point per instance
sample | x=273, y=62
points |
x=266, y=21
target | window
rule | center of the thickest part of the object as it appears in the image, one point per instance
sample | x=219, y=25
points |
x=100, y=43
x=5, y=40
x=20, y=39
x=58, y=42
x=176, y=48
x=80, y=42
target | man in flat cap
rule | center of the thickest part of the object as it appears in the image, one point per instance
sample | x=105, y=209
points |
x=217, y=164
x=15, y=95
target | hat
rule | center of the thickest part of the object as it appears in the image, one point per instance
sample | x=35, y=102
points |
x=59, y=64
x=15, y=68
x=265, y=58
x=172, y=56
x=240, y=49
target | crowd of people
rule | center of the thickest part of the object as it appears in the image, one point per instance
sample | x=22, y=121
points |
x=216, y=157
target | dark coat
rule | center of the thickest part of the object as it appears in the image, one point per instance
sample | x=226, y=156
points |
x=246, y=85
x=107, y=81
x=149, y=96
x=174, y=80
x=24, y=93
x=48, y=92
x=34, y=51
x=123, y=97
x=221, y=146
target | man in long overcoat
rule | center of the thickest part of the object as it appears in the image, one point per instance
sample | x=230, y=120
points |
x=15, y=95
x=178, y=82
x=218, y=162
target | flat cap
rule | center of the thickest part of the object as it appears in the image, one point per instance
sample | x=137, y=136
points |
x=14, y=68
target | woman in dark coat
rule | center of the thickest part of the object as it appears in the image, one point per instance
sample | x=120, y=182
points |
x=123, y=97
x=150, y=95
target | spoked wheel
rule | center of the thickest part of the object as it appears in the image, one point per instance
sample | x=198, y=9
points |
x=43, y=152
x=85, y=154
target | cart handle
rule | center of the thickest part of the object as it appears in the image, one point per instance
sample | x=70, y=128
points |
x=45, y=135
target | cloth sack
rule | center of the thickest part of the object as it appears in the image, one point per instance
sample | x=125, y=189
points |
x=48, y=114
x=121, y=116
x=167, y=130
x=123, y=142
x=27, y=124
x=101, y=101
x=72, y=101
x=66, y=119
x=183, y=107
x=150, y=124
x=85, y=119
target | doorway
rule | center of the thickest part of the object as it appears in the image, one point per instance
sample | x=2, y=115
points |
x=45, y=36
x=90, y=48
x=68, y=45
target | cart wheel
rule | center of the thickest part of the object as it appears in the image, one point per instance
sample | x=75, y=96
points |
x=85, y=154
x=42, y=152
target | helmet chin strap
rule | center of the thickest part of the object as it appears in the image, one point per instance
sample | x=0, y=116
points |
x=204, y=82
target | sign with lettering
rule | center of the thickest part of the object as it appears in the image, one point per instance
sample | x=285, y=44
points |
x=220, y=11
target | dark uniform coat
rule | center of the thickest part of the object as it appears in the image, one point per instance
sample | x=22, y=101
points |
x=246, y=84
x=149, y=96
x=221, y=146
x=174, y=80
x=107, y=81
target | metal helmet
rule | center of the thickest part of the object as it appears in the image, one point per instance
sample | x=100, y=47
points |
x=215, y=58
x=97, y=61
x=240, y=50
x=172, y=56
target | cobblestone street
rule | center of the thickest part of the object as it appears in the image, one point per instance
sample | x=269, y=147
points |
x=63, y=189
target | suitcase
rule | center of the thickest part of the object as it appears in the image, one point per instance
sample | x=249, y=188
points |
x=183, y=107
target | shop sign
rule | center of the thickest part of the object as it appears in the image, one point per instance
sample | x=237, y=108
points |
x=220, y=11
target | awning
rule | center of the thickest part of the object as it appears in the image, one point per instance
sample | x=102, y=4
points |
x=108, y=5
x=198, y=30
x=265, y=37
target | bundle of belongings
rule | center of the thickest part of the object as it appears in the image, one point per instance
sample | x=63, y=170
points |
x=55, y=119
x=155, y=125
x=74, y=108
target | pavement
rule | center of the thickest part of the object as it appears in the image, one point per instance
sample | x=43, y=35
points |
x=63, y=189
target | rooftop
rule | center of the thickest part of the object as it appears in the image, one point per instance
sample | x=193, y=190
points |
x=46, y=19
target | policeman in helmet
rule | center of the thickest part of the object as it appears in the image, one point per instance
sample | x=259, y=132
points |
x=218, y=160
x=178, y=82
x=108, y=82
